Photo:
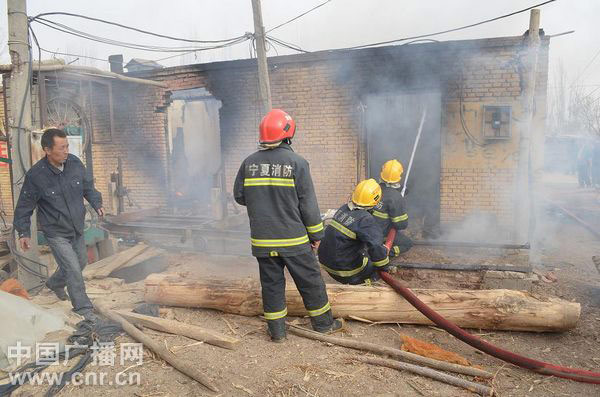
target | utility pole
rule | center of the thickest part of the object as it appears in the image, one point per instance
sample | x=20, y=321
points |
x=263, y=69
x=530, y=143
x=20, y=123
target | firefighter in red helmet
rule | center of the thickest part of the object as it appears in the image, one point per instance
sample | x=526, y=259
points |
x=285, y=224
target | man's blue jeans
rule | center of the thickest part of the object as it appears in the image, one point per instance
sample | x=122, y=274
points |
x=71, y=256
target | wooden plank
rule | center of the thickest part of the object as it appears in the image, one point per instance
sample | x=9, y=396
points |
x=104, y=267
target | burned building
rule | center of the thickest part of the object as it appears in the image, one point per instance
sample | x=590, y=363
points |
x=182, y=143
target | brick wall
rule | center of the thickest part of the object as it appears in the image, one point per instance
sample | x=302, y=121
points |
x=323, y=91
x=482, y=190
x=138, y=138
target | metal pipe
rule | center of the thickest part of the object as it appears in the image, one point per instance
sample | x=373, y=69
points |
x=468, y=244
x=414, y=150
x=467, y=267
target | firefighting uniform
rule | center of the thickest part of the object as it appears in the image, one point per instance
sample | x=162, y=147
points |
x=352, y=249
x=276, y=187
x=390, y=212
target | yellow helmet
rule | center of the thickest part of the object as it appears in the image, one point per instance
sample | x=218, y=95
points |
x=391, y=171
x=367, y=193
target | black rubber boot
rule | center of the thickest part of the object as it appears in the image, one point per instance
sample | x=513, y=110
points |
x=276, y=330
x=59, y=292
x=325, y=323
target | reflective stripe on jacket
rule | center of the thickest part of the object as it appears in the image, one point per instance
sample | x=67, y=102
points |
x=351, y=235
x=391, y=210
x=276, y=187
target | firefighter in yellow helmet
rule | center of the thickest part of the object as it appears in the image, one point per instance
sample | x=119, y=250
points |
x=390, y=212
x=352, y=249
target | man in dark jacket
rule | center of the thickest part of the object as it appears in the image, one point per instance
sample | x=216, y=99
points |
x=276, y=187
x=352, y=250
x=56, y=185
x=390, y=212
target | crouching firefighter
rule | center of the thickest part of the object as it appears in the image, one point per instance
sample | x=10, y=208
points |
x=390, y=212
x=352, y=250
x=285, y=224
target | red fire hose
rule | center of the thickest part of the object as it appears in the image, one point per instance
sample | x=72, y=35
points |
x=541, y=367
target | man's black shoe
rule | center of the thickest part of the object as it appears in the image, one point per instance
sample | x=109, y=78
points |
x=59, y=292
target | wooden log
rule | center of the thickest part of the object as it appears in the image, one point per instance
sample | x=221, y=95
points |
x=179, y=328
x=430, y=373
x=480, y=309
x=188, y=368
x=106, y=266
x=390, y=351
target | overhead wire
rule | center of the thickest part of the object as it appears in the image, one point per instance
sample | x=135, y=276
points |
x=580, y=74
x=180, y=50
x=286, y=44
x=463, y=123
x=143, y=47
x=448, y=30
x=297, y=17
x=39, y=16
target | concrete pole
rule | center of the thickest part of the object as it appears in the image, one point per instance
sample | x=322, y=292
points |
x=19, y=111
x=263, y=70
x=524, y=200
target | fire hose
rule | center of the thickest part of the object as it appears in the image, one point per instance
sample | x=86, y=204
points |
x=579, y=375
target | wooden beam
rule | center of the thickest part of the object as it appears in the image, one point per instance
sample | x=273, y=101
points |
x=430, y=373
x=178, y=328
x=390, y=351
x=186, y=367
x=104, y=267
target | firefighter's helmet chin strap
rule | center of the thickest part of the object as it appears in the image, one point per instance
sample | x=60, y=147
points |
x=268, y=146
x=353, y=207
x=396, y=185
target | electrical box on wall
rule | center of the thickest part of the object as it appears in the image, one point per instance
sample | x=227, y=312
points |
x=496, y=122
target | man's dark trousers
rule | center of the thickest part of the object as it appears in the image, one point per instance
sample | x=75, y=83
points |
x=71, y=256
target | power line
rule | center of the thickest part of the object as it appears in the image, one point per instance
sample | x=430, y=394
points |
x=297, y=17
x=580, y=74
x=182, y=51
x=286, y=44
x=132, y=28
x=449, y=30
x=68, y=30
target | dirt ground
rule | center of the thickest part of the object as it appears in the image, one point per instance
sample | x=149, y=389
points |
x=303, y=367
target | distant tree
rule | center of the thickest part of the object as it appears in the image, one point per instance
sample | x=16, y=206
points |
x=584, y=111
x=558, y=101
x=572, y=108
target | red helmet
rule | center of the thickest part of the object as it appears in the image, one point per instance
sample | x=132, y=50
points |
x=276, y=126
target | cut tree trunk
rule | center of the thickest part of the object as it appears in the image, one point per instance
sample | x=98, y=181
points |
x=481, y=309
